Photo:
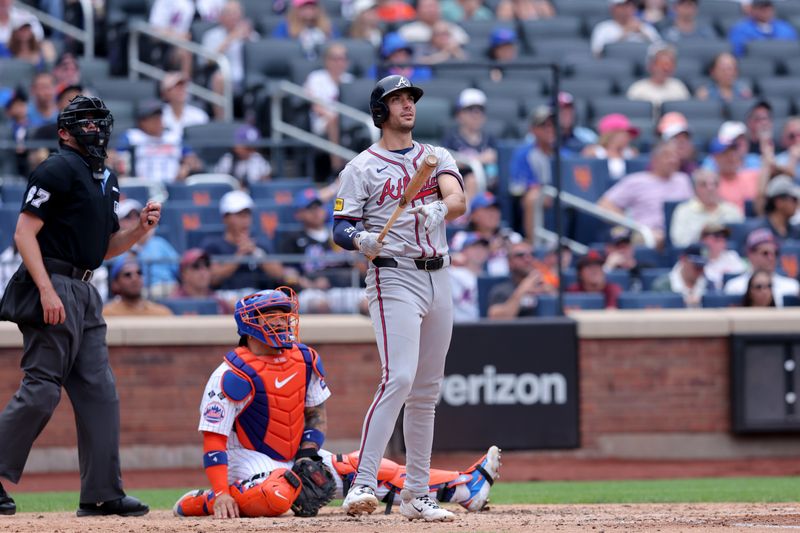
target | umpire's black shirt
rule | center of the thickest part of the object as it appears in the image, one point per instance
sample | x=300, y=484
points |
x=79, y=211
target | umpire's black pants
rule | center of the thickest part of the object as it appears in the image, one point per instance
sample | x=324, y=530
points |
x=73, y=355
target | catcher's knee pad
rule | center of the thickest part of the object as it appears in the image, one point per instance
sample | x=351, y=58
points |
x=272, y=497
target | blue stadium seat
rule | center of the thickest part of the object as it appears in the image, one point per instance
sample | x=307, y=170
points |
x=650, y=300
x=791, y=300
x=191, y=306
x=584, y=300
x=8, y=221
x=279, y=190
x=13, y=193
x=620, y=277
x=485, y=284
x=198, y=194
x=140, y=193
x=196, y=237
x=649, y=275
x=696, y=108
x=585, y=177
x=650, y=258
x=268, y=215
x=182, y=217
x=722, y=300
x=789, y=260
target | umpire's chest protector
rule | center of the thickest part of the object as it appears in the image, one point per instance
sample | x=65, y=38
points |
x=273, y=420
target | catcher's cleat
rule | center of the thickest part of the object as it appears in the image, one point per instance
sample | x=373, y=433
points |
x=361, y=499
x=484, y=473
x=197, y=502
x=424, y=508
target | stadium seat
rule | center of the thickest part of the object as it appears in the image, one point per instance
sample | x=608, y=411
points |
x=620, y=277
x=648, y=258
x=122, y=110
x=478, y=30
x=8, y=221
x=635, y=52
x=16, y=72
x=268, y=215
x=587, y=178
x=444, y=88
x=361, y=54
x=140, y=193
x=778, y=87
x=758, y=67
x=719, y=9
x=606, y=105
x=694, y=109
x=125, y=89
x=702, y=50
x=519, y=90
x=589, y=67
x=485, y=284
x=96, y=68
x=738, y=109
x=197, y=237
x=588, y=87
x=506, y=110
x=558, y=27
x=556, y=50
x=689, y=68
x=650, y=300
x=432, y=116
x=789, y=259
x=12, y=193
x=198, y=194
x=182, y=217
x=787, y=10
x=191, y=306
x=791, y=300
x=356, y=93
x=649, y=275
x=269, y=58
x=279, y=190
x=775, y=50
x=714, y=300
x=211, y=140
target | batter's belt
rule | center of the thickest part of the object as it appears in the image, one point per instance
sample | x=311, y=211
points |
x=430, y=264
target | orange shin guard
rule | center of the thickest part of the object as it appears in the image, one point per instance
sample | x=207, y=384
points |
x=272, y=497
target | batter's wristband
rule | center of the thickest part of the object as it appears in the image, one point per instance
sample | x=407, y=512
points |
x=313, y=435
x=215, y=459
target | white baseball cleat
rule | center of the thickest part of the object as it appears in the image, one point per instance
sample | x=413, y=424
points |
x=424, y=508
x=484, y=473
x=361, y=499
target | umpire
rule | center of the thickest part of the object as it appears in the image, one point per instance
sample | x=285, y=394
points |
x=67, y=225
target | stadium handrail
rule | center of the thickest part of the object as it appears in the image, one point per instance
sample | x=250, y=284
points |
x=136, y=66
x=84, y=35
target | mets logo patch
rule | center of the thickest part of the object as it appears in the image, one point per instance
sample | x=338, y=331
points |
x=214, y=413
x=338, y=205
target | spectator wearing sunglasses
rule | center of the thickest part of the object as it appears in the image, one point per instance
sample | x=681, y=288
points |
x=759, y=291
x=126, y=286
x=762, y=253
x=195, y=279
x=519, y=295
x=781, y=204
x=789, y=160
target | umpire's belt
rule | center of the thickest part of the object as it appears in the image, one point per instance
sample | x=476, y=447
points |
x=430, y=264
x=57, y=266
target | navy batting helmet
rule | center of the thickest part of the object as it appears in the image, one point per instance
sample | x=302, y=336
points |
x=269, y=316
x=386, y=86
x=78, y=113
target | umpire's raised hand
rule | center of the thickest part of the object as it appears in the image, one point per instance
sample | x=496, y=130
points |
x=150, y=215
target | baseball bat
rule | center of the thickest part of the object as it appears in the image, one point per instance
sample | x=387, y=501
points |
x=417, y=181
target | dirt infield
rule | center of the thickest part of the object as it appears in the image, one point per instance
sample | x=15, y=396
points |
x=512, y=519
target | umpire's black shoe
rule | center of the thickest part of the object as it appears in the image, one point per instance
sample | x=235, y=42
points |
x=125, y=506
x=7, y=505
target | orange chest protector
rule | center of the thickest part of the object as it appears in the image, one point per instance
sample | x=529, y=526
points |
x=272, y=422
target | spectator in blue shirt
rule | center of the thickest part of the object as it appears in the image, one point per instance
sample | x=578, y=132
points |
x=761, y=25
x=308, y=23
x=398, y=56
x=42, y=108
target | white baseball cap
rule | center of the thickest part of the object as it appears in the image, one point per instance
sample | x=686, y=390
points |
x=471, y=97
x=127, y=206
x=730, y=130
x=235, y=202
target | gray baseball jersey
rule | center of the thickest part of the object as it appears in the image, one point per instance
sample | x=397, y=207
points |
x=411, y=308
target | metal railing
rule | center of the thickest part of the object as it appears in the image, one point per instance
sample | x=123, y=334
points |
x=136, y=66
x=84, y=35
x=280, y=127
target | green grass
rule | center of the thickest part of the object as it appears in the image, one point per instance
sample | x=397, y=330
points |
x=752, y=489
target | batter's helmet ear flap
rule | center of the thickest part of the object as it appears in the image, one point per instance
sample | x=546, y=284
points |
x=380, y=112
x=384, y=87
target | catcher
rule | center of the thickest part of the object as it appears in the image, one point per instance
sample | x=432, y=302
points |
x=263, y=421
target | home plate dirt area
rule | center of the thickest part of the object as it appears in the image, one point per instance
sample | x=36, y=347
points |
x=501, y=518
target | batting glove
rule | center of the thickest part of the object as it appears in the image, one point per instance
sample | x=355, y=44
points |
x=434, y=213
x=368, y=244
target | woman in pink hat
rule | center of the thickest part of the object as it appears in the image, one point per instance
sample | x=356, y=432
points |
x=616, y=133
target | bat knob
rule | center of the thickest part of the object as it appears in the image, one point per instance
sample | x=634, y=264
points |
x=431, y=160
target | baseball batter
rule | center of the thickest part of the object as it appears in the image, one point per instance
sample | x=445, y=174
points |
x=407, y=286
x=260, y=457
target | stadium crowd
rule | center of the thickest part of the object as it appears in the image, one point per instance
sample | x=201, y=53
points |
x=675, y=113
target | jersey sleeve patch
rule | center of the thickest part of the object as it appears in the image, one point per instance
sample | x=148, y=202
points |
x=338, y=205
x=214, y=413
x=235, y=386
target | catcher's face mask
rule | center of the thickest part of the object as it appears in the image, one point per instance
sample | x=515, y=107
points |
x=270, y=316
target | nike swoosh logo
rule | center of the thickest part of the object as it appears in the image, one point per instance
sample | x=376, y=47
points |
x=280, y=384
x=279, y=495
x=382, y=169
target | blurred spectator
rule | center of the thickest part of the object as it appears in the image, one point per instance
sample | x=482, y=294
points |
x=685, y=24
x=126, y=287
x=706, y=206
x=660, y=86
x=789, y=160
x=307, y=23
x=621, y=255
x=574, y=138
x=470, y=262
x=49, y=131
x=641, y=195
x=730, y=132
x=761, y=24
x=503, y=48
x=485, y=220
x=366, y=23
x=173, y=18
x=442, y=46
x=312, y=242
x=195, y=279
x=725, y=85
x=470, y=139
x=737, y=183
x=12, y=17
x=762, y=253
x=42, y=108
x=66, y=71
x=157, y=257
x=686, y=277
x=250, y=269
x=524, y=10
x=154, y=152
x=177, y=114
x=25, y=46
x=394, y=11
x=759, y=290
x=616, y=133
x=592, y=278
x=759, y=124
x=465, y=10
x=16, y=112
x=398, y=55
x=228, y=38
x=654, y=12
x=623, y=26
x=674, y=128
x=782, y=195
x=421, y=30
x=517, y=297
x=324, y=83
x=210, y=10
x=721, y=260
x=244, y=162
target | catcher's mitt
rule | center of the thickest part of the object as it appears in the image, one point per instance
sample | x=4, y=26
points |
x=318, y=486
